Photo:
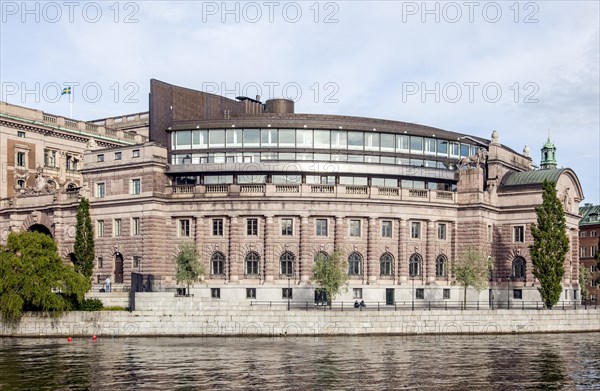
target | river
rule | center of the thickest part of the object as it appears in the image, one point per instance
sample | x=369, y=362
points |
x=425, y=362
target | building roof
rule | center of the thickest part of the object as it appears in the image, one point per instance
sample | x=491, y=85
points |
x=531, y=178
x=590, y=215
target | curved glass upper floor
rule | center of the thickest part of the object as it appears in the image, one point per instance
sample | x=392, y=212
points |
x=267, y=144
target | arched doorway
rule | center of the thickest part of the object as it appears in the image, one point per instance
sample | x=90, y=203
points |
x=118, y=268
x=41, y=228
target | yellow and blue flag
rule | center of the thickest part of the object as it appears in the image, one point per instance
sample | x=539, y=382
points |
x=66, y=90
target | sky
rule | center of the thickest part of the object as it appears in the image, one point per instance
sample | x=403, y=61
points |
x=526, y=69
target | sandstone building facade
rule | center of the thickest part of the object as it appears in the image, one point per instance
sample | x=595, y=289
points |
x=589, y=238
x=262, y=191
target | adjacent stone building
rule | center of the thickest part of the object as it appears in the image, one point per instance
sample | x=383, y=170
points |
x=589, y=238
x=262, y=191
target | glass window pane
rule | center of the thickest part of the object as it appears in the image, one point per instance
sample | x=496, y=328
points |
x=464, y=150
x=304, y=156
x=442, y=148
x=268, y=137
x=322, y=139
x=416, y=144
x=216, y=138
x=242, y=179
x=403, y=161
x=355, y=158
x=355, y=140
x=234, y=138
x=388, y=160
x=339, y=139
x=304, y=138
x=251, y=138
x=402, y=143
x=371, y=159
x=183, y=139
x=287, y=179
x=378, y=182
x=287, y=156
x=199, y=139
x=287, y=138
x=372, y=141
x=339, y=158
x=322, y=156
x=453, y=149
x=387, y=142
x=218, y=179
x=430, y=145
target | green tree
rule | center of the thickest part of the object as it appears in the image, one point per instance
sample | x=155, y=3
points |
x=331, y=274
x=550, y=245
x=33, y=277
x=188, y=267
x=84, y=240
x=472, y=268
x=585, y=276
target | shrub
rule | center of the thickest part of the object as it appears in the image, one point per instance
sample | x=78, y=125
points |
x=91, y=305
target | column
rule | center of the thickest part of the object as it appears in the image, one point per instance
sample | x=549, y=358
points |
x=233, y=250
x=268, y=249
x=430, y=252
x=402, y=260
x=305, y=259
x=371, y=264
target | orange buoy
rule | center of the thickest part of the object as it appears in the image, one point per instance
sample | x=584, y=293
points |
x=93, y=338
x=69, y=339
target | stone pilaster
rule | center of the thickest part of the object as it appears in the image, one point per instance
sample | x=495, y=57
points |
x=339, y=234
x=234, y=259
x=429, y=260
x=305, y=257
x=371, y=263
x=270, y=266
x=402, y=254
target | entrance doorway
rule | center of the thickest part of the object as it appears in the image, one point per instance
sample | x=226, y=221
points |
x=389, y=296
x=118, y=268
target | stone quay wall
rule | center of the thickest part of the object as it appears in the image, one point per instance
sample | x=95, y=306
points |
x=238, y=321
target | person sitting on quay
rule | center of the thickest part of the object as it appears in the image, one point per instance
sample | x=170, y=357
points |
x=356, y=305
x=362, y=304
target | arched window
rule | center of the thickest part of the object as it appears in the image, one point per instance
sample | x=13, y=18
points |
x=217, y=264
x=354, y=264
x=252, y=261
x=518, y=268
x=286, y=262
x=385, y=264
x=321, y=255
x=414, y=265
x=441, y=263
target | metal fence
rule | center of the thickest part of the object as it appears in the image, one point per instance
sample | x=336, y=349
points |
x=426, y=305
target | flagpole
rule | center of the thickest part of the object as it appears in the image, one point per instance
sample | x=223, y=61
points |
x=70, y=109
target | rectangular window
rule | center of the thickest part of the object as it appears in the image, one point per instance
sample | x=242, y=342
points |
x=442, y=231
x=582, y=252
x=517, y=294
x=215, y=293
x=593, y=251
x=593, y=234
x=233, y=137
x=117, y=227
x=135, y=226
x=136, y=261
x=446, y=294
x=339, y=139
x=100, y=157
x=321, y=227
x=136, y=153
x=372, y=141
x=416, y=145
x=216, y=138
x=420, y=293
x=250, y=293
x=136, y=186
x=388, y=142
x=100, y=190
x=415, y=230
x=519, y=234
x=251, y=138
x=355, y=140
x=184, y=228
x=430, y=145
x=386, y=229
x=287, y=227
x=357, y=293
x=593, y=268
x=355, y=228
x=287, y=138
x=594, y=283
x=454, y=149
x=402, y=143
x=252, y=227
x=583, y=234
x=217, y=227
x=286, y=293
x=20, y=134
x=442, y=148
x=268, y=137
x=100, y=262
x=322, y=139
x=100, y=228
x=118, y=155
x=20, y=159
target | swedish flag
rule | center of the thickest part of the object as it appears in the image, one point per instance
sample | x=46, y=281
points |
x=66, y=90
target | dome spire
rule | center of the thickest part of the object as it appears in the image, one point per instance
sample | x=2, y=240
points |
x=548, y=155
